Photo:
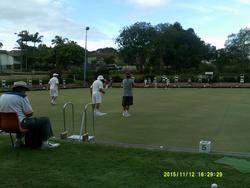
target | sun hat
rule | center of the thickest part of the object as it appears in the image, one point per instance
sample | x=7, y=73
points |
x=20, y=84
x=100, y=77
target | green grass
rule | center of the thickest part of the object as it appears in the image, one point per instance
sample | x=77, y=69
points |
x=92, y=165
x=172, y=118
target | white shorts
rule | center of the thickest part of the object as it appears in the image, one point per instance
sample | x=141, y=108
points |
x=96, y=98
x=53, y=92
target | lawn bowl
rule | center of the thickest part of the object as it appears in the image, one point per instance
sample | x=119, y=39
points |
x=214, y=185
x=64, y=135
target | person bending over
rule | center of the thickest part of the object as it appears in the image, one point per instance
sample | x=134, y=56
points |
x=97, y=90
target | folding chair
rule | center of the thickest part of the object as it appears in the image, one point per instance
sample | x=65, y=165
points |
x=9, y=123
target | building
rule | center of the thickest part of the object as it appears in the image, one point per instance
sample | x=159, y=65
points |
x=9, y=60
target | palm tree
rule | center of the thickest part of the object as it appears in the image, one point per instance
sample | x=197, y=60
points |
x=59, y=40
x=24, y=38
x=36, y=38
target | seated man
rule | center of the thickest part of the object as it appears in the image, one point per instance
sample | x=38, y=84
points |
x=17, y=101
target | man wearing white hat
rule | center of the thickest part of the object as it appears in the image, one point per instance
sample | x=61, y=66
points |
x=54, y=82
x=17, y=101
x=97, y=90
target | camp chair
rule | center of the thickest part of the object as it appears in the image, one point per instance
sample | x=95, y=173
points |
x=9, y=123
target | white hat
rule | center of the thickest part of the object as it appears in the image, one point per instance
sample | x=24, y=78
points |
x=55, y=74
x=100, y=77
x=20, y=84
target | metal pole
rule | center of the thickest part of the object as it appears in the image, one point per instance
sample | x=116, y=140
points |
x=64, y=115
x=84, y=135
x=85, y=59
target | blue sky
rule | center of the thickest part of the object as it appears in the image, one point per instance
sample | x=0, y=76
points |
x=212, y=20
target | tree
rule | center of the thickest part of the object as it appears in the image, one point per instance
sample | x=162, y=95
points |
x=108, y=55
x=239, y=45
x=1, y=45
x=44, y=57
x=134, y=43
x=178, y=50
x=24, y=38
x=163, y=47
x=36, y=39
x=59, y=40
x=68, y=55
x=237, y=51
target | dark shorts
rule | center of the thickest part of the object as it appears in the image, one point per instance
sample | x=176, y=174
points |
x=127, y=100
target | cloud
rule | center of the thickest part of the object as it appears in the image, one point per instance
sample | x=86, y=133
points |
x=196, y=7
x=217, y=41
x=148, y=3
x=94, y=45
x=209, y=9
x=228, y=9
x=247, y=25
x=48, y=17
x=244, y=1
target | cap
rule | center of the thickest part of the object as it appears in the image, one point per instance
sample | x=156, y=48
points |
x=55, y=74
x=100, y=77
x=20, y=84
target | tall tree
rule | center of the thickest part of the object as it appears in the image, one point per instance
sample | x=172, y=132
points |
x=239, y=45
x=1, y=45
x=59, y=40
x=24, y=38
x=68, y=55
x=35, y=38
x=237, y=52
x=177, y=49
x=165, y=46
x=135, y=41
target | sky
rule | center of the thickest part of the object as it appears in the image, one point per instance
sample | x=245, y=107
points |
x=212, y=20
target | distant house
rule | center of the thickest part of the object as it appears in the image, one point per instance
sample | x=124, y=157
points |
x=101, y=57
x=9, y=60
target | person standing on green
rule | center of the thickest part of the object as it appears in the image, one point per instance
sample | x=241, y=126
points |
x=127, y=99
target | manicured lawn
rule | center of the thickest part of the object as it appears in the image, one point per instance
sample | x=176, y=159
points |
x=76, y=164
x=172, y=118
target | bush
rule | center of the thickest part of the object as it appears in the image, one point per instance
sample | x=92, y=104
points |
x=117, y=78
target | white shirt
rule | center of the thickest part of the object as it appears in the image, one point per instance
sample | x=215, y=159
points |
x=53, y=82
x=96, y=86
x=14, y=103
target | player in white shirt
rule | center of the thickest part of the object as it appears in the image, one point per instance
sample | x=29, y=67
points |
x=97, y=90
x=54, y=82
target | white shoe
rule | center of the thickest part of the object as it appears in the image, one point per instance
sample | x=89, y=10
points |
x=49, y=145
x=98, y=113
x=102, y=113
x=126, y=114
x=19, y=143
